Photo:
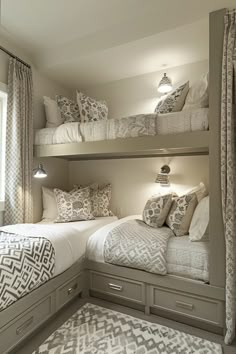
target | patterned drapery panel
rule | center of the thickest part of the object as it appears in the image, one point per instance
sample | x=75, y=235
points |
x=228, y=167
x=19, y=145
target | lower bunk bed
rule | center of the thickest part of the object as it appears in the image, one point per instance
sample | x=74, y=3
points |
x=182, y=293
x=25, y=305
x=175, y=282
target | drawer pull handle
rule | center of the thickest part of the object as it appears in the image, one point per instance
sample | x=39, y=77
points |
x=184, y=305
x=115, y=287
x=72, y=289
x=24, y=326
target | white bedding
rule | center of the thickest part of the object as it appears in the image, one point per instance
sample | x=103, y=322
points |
x=68, y=239
x=184, y=258
x=147, y=124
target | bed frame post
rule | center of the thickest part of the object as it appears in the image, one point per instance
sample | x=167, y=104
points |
x=217, y=243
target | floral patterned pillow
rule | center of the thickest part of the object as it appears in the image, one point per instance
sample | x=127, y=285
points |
x=181, y=213
x=173, y=102
x=69, y=109
x=101, y=198
x=90, y=109
x=157, y=209
x=74, y=206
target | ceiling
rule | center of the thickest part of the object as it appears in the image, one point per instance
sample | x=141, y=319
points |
x=89, y=42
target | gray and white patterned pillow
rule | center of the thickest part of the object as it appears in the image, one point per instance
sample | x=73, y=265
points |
x=68, y=108
x=174, y=101
x=90, y=109
x=101, y=198
x=74, y=206
x=156, y=210
x=181, y=213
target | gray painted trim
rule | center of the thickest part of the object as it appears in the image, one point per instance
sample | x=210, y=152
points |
x=193, y=143
x=217, y=242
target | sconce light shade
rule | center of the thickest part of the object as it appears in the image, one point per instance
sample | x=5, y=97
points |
x=163, y=176
x=165, y=84
x=39, y=172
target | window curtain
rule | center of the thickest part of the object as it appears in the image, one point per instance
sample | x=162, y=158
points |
x=19, y=145
x=228, y=167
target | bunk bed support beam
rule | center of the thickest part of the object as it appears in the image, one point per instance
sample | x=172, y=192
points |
x=217, y=243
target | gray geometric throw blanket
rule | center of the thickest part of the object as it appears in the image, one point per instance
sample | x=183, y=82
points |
x=136, y=245
x=25, y=264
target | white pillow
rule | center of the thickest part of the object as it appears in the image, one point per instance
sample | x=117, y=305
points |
x=198, y=230
x=197, y=96
x=53, y=115
x=49, y=204
x=199, y=190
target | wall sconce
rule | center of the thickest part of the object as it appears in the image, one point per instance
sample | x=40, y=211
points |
x=163, y=176
x=39, y=172
x=165, y=84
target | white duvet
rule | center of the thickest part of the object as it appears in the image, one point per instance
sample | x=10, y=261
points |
x=133, y=126
x=68, y=239
x=184, y=258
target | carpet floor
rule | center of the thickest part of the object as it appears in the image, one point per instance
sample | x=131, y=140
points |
x=95, y=329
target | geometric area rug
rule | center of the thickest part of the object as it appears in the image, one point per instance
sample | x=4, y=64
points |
x=94, y=329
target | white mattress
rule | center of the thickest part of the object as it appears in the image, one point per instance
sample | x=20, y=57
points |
x=184, y=258
x=147, y=124
x=72, y=246
x=68, y=239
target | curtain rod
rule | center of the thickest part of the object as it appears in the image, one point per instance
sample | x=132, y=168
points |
x=14, y=56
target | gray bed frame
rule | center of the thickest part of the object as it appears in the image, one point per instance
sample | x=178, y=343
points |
x=181, y=299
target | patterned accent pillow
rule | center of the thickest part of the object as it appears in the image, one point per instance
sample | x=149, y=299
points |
x=101, y=198
x=69, y=109
x=156, y=210
x=90, y=109
x=73, y=206
x=173, y=102
x=181, y=213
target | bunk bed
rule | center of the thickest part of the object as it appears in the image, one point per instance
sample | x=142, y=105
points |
x=191, y=301
x=184, y=132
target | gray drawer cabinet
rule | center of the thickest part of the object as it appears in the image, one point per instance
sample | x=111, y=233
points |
x=195, y=307
x=19, y=328
x=119, y=287
x=68, y=291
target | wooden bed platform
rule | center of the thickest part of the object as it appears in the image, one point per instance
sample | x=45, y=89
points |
x=193, y=143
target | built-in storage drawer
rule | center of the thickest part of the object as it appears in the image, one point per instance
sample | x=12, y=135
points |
x=197, y=307
x=69, y=290
x=22, y=326
x=120, y=287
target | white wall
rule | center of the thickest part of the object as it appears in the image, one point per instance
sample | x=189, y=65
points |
x=139, y=94
x=56, y=169
x=133, y=179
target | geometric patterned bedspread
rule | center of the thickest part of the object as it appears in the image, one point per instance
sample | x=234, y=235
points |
x=136, y=245
x=25, y=264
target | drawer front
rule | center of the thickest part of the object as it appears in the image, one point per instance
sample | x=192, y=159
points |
x=22, y=327
x=196, y=307
x=119, y=287
x=69, y=290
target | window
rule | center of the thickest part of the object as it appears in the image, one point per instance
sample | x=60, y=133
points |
x=3, y=113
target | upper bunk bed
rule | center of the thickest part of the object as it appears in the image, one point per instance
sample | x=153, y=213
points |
x=179, y=133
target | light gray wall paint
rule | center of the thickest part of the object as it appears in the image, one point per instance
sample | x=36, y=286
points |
x=133, y=180
x=139, y=94
x=57, y=169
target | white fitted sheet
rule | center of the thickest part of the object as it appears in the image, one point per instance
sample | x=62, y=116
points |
x=139, y=125
x=184, y=258
x=68, y=239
